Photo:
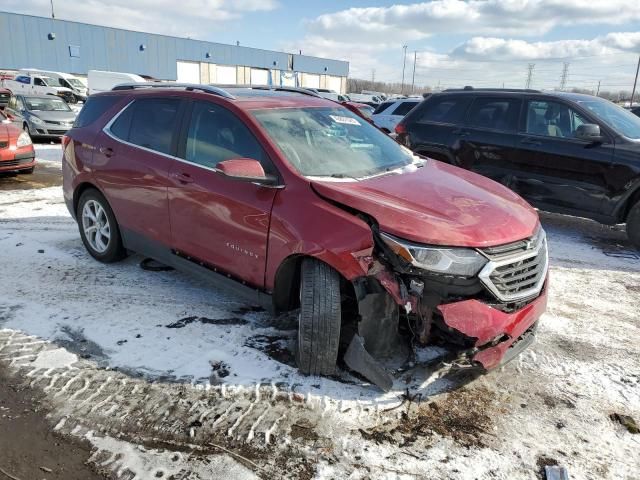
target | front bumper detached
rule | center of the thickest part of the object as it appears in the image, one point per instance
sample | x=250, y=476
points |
x=498, y=336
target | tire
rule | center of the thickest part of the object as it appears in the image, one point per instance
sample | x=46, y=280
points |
x=105, y=246
x=319, y=319
x=633, y=225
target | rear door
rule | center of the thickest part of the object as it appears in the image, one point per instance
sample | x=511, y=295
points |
x=131, y=161
x=486, y=142
x=221, y=222
x=399, y=112
x=430, y=126
x=556, y=170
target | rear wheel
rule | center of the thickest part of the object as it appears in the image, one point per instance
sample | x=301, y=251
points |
x=633, y=225
x=319, y=319
x=98, y=228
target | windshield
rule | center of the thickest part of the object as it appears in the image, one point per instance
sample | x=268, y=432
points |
x=332, y=142
x=52, y=104
x=617, y=118
x=75, y=82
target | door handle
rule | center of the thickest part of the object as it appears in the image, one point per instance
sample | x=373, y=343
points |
x=106, y=151
x=461, y=133
x=530, y=141
x=182, y=177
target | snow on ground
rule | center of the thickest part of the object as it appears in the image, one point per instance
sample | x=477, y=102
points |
x=187, y=365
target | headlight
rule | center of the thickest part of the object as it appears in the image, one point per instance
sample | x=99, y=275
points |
x=36, y=120
x=23, y=140
x=464, y=262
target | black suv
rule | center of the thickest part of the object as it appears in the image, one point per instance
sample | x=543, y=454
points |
x=563, y=152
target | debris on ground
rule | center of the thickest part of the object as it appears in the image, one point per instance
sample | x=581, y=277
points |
x=626, y=421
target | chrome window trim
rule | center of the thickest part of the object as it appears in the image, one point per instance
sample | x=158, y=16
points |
x=492, y=265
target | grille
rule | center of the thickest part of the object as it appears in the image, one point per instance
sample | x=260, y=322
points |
x=15, y=163
x=516, y=271
x=56, y=132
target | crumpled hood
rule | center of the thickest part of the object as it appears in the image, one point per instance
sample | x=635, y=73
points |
x=438, y=204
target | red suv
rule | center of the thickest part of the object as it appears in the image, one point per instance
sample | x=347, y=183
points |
x=300, y=204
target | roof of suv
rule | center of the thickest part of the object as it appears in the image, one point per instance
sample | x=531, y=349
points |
x=245, y=97
x=516, y=92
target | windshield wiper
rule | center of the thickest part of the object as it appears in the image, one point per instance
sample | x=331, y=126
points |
x=343, y=175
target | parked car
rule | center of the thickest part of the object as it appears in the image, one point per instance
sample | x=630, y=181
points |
x=298, y=203
x=16, y=150
x=635, y=111
x=5, y=94
x=40, y=115
x=371, y=100
x=563, y=152
x=360, y=109
x=100, y=81
x=29, y=84
x=387, y=115
x=66, y=80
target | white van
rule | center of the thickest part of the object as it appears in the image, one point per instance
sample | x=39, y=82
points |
x=100, y=81
x=65, y=80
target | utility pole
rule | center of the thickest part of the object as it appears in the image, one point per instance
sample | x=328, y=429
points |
x=529, y=75
x=635, y=82
x=413, y=79
x=404, y=62
x=598, y=90
x=53, y=15
x=563, y=78
x=373, y=75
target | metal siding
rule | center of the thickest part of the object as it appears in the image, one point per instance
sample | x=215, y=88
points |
x=24, y=43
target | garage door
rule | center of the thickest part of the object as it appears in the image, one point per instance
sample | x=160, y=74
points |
x=189, y=72
x=259, y=76
x=334, y=83
x=226, y=75
x=311, y=81
x=288, y=79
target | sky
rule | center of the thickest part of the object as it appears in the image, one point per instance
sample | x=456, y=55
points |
x=454, y=42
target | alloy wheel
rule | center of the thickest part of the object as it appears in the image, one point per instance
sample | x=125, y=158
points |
x=95, y=224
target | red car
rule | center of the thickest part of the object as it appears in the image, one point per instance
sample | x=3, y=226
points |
x=16, y=150
x=299, y=204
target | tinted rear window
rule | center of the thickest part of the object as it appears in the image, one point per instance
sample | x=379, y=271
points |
x=494, y=113
x=383, y=106
x=447, y=109
x=93, y=108
x=404, y=108
x=148, y=123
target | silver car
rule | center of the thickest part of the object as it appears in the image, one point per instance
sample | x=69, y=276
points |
x=45, y=116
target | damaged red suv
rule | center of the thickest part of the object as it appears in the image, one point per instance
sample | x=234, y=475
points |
x=300, y=205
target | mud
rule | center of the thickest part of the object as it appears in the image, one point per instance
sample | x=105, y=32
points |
x=183, y=322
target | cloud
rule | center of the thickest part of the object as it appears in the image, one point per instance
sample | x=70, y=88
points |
x=501, y=49
x=193, y=18
x=401, y=23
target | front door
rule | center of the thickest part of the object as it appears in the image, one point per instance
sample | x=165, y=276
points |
x=565, y=173
x=221, y=222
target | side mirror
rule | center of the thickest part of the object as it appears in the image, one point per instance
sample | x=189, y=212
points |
x=245, y=170
x=589, y=132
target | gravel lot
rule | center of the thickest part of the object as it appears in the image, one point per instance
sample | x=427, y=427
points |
x=167, y=378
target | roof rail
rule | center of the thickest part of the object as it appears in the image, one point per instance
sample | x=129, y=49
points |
x=302, y=91
x=469, y=88
x=187, y=86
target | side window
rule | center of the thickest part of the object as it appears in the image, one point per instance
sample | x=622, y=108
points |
x=19, y=104
x=443, y=109
x=148, y=123
x=23, y=79
x=404, y=108
x=552, y=119
x=12, y=103
x=215, y=134
x=494, y=113
x=39, y=82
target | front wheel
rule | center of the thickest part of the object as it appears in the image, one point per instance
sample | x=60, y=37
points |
x=319, y=319
x=98, y=228
x=633, y=225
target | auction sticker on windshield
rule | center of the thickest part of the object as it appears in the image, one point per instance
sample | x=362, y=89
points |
x=345, y=120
